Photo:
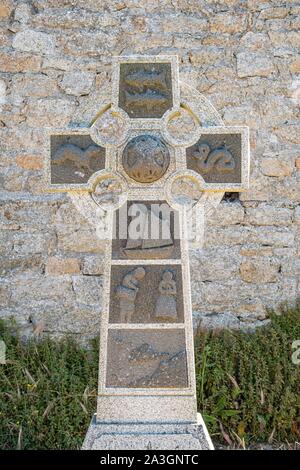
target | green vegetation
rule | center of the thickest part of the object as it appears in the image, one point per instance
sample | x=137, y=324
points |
x=48, y=393
x=248, y=387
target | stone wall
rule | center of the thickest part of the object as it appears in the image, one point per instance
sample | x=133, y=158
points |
x=55, y=69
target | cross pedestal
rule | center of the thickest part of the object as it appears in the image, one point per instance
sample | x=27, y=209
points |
x=156, y=158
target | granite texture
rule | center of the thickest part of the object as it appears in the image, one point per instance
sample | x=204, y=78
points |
x=142, y=436
x=241, y=56
x=146, y=359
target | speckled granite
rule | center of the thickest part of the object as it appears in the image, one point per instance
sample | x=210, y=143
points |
x=146, y=436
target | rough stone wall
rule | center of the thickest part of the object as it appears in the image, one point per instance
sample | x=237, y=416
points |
x=55, y=67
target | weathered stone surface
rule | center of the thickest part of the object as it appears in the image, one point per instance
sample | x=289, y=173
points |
x=146, y=158
x=79, y=239
x=33, y=85
x=22, y=13
x=212, y=265
x=2, y=93
x=27, y=243
x=266, y=214
x=144, y=358
x=242, y=57
x=226, y=214
x=87, y=289
x=9, y=265
x=45, y=112
x=17, y=62
x=5, y=8
x=92, y=265
x=30, y=162
x=251, y=64
x=228, y=23
x=56, y=266
x=34, y=41
x=77, y=82
x=259, y=271
x=276, y=167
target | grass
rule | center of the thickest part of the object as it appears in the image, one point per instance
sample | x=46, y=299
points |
x=248, y=388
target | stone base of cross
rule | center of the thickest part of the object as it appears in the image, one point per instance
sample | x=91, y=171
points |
x=155, y=160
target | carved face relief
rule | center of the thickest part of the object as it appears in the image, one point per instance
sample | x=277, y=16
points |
x=146, y=158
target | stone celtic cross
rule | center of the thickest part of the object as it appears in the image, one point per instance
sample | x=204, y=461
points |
x=161, y=151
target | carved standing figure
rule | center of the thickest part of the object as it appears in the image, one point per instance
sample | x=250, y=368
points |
x=127, y=293
x=166, y=308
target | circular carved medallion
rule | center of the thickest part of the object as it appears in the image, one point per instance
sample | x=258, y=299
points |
x=146, y=158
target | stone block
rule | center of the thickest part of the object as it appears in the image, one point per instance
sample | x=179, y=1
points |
x=77, y=83
x=260, y=270
x=267, y=214
x=56, y=266
x=44, y=112
x=16, y=62
x=34, y=41
x=276, y=167
x=93, y=265
x=30, y=243
x=30, y=162
x=41, y=288
x=226, y=214
x=228, y=22
x=251, y=64
x=79, y=239
x=146, y=435
x=33, y=85
x=87, y=289
x=5, y=8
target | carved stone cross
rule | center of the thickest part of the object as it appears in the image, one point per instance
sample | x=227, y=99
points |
x=157, y=154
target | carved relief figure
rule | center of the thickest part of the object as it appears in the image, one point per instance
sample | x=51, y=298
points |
x=146, y=158
x=127, y=293
x=166, y=307
x=146, y=247
x=219, y=159
x=145, y=90
x=72, y=162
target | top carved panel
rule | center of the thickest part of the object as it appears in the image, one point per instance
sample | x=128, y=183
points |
x=145, y=89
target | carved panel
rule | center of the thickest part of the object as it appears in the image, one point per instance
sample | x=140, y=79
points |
x=145, y=89
x=146, y=158
x=217, y=158
x=146, y=359
x=146, y=294
x=74, y=158
x=157, y=225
